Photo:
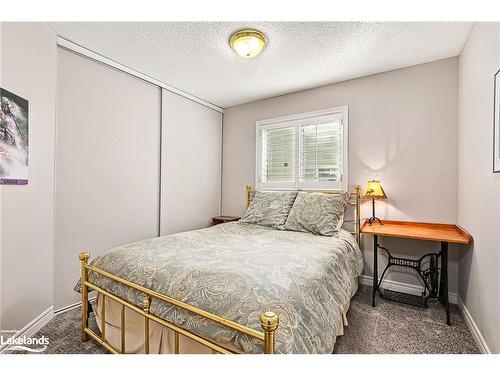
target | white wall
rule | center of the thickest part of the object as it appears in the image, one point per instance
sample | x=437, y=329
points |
x=478, y=187
x=107, y=165
x=28, y=69
x=191, y=170
x=403, y=131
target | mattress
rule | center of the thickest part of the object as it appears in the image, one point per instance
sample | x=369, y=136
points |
x=240, y=271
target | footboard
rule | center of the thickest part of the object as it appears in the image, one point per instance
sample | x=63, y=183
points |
x=269, y=321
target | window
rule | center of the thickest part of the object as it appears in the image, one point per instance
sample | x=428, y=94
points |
x=306, y=151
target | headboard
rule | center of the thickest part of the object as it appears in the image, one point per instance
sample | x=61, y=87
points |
x=354, y=201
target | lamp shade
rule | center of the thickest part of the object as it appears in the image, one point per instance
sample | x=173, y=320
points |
x=374, y=190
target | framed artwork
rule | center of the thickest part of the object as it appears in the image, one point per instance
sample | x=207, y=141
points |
x=496, y=124
x=13, y=139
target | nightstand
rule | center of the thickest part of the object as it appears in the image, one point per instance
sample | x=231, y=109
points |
x=224, y=219
x=432, y=267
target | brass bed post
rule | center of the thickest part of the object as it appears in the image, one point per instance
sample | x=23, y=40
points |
x=103, y=319
x=122, y=330
x=176, y=342
x=269, y=322
x=84, y=258
x=145, y=306
x=358, y=213
x=248, y=190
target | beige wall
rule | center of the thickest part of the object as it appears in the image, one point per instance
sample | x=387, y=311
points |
x=403, y=131
x=28, y=68
x=478, y=187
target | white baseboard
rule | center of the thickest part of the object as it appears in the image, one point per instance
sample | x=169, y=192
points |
x=72, y=306
x=41, y=320
x=476, y=333
x=33, y=327
x=403, y=287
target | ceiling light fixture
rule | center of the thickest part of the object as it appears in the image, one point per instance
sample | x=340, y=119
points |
x=248, y=43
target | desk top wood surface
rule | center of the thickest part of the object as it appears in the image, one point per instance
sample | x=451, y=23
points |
x=420, y=231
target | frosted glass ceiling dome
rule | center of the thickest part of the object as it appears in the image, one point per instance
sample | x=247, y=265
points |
x=248, y=43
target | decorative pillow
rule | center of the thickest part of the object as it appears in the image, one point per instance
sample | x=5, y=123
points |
x=318, y=213
x=269, y=208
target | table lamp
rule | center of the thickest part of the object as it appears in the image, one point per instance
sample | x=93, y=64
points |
x=374, y=191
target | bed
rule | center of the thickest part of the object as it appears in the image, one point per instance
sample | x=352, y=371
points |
x=230, y=288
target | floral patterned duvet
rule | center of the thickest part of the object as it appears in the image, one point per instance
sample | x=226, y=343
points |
x=239, y=271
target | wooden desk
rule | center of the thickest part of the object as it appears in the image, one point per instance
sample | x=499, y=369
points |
x=443, y=233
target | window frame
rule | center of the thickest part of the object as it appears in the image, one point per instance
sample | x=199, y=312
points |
x=297, y=120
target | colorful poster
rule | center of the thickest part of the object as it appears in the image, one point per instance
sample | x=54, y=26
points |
x=13, y=139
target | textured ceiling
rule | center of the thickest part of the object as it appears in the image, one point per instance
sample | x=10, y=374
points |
x=195, y=56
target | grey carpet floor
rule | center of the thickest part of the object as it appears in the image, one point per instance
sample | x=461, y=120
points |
x=392, y=327
x=389, y=328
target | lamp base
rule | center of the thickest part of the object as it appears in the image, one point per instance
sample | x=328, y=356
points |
x=374, y=218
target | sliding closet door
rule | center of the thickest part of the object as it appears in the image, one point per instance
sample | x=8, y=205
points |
x=107, y=164
x=191, y=164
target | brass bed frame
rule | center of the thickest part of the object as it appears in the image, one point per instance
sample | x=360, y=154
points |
x=269, y=320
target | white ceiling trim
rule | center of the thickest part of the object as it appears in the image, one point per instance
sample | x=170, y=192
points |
x=76, y=48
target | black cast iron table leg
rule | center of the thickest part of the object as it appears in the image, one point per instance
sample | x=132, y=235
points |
x=375, y=268
x=443, y=283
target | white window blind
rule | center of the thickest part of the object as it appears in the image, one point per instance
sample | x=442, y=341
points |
x=278, y=156
x=307, y=151
x=320, y=152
